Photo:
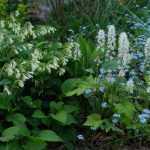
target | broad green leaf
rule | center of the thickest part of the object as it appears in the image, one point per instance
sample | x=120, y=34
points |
x=127, y=110
x=93, y=121
x=12, y=132
x=17, y=118
x=70, y=87
x=5, y=101
x=63, y=117
x=78, y=86
x=38, y=114
x=56, y=105
x=49, y=136
x=33, y=145
x=71, y=108
x=11, y=146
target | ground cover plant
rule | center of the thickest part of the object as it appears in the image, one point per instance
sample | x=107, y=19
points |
x=75, y=88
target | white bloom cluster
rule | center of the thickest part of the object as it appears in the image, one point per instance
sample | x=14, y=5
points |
x=111, y=41
x=147, y=53
x=123, y=50
x=100, y=39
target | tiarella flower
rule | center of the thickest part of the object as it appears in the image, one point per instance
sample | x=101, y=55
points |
x=147, y=52
x=123, y=50
x=104, y=104
x=111, y=41
x=80, y=137
x=100, y=39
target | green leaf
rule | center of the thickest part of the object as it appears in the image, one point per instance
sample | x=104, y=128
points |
x=71, y=87
x=33, y=145
x=127, y=110
x=9, y=134
x=5, y=101
x=4, y=82
x=63, y=117
x=71, y=108
x=93, y=121
x=78, y=86
x=49, y=136
x=12, y=132
x=17, y=119
x=56, y=105
x=14, y=145
x=38, y=114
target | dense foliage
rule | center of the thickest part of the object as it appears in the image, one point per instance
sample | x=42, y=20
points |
x=77, y=84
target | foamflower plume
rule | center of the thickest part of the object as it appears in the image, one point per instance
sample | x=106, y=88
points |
x=101, y=39
x=111, y=43
x=147, y=52
x=123, y=49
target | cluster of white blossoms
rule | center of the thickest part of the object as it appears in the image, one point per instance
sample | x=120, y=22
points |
x=147, y=53
x=110, y=43
x=119, y=49
x=123, y=50
x=111, y=51
x=101, y=41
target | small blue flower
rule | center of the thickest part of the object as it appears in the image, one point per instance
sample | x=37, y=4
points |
x=115, y=118
x=102, y=89
x=135, y=56
x=88, y=92
x=80, y=137
x=142, y=118
x=104, y=104
x=146, y=111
